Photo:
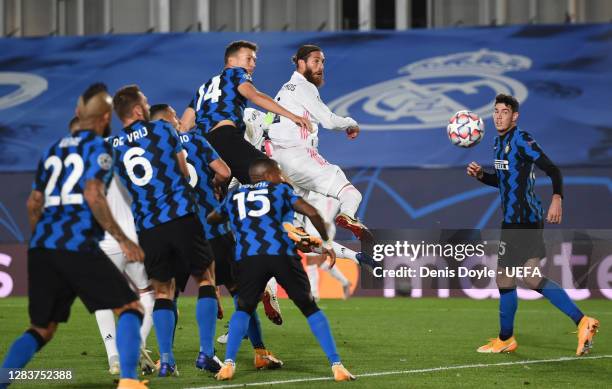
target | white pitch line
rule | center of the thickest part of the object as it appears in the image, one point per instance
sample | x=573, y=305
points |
x=415, y=371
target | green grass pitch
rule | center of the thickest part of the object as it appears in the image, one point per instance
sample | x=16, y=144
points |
x=374, y=335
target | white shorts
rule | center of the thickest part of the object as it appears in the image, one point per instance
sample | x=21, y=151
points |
x=135, y=271
x=306, y=168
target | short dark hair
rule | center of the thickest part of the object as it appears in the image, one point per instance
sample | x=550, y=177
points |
x=73, y=123
x=235, y=46
x=157, y=108
x=304, y=52
x=508, y=101
x=125, y=99
x=262, y=164
x=93, y=90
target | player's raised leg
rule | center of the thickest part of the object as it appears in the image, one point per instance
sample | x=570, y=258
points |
x=587, y=327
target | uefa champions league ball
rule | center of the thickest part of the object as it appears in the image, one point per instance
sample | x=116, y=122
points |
x=465, y=129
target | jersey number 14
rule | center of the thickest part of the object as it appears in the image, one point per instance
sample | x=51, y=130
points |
x=212, y=92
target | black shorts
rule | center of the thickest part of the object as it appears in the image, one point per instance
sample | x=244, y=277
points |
x=520, y=242
x=176, y=249
x=224, y=247
x=57, y=277
x=236, y=151
x=254, y=272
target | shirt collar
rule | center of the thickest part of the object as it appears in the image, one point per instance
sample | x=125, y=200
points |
x=299, y=76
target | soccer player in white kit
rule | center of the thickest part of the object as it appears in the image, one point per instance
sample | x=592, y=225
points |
x=257, y=124
x=296, y=148
x=119, y=204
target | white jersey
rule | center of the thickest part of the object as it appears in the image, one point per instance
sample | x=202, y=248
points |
x=119, y=202
x=255, y=126
x=301, y=97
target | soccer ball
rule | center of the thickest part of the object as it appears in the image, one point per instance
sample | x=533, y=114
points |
x=465, y=129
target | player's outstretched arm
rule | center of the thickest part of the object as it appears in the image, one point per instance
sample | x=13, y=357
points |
x=311, y=213
x=35, y=206
x=96, y=199
x=187, y=120
x=476, y=171
x=268, y=104
x=311, y=100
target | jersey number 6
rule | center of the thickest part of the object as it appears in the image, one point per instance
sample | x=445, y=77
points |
x=256, y=195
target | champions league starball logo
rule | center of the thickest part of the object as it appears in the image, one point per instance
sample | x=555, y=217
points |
x=434, y=89
x=28, y=86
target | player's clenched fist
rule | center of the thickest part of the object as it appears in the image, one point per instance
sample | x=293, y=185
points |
x=474, y=170
x=132, y=251
x=352, y=132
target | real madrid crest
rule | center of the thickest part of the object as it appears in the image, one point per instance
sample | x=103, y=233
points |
x=429, y=91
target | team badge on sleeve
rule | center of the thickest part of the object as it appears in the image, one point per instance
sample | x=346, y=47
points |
x=105, y=161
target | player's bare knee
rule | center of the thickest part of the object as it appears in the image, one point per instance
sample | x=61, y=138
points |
x=533, y=282
x=163, y=289
x=133, y=306
x=505, y=282
x=43, y=334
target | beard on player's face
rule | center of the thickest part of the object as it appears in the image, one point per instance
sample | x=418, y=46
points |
x=315, y=78
x=145, y=113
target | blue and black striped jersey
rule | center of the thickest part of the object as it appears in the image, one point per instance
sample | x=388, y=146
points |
x=218, y=99
x=516, y=152
x=67, y=222
x=256, y=213
x=200, y=154
x=148, y=168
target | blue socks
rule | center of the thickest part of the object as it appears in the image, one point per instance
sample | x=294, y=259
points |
x=128, y=342
x=559, y=298
x=508, y=302
x=206, y=316
x=23, y=349
x=163, y=320
x=239, y=323
x=175, y=311
x=320, y=328
x=254, y=331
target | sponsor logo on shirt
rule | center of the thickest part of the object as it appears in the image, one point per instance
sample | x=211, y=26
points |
x=501, y=164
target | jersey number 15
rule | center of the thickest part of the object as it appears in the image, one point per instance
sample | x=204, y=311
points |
x=256, y=195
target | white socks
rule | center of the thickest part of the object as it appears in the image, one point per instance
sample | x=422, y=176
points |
x=335, y=272
x=147, y=299
x=313, y=277
x=108, y=329
x=106, y=324
x=349, y=198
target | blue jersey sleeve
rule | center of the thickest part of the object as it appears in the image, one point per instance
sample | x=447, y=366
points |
x=210, y=154
x=289, y=195
x=239, y=76
x=99, y=162
x=527, y=147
